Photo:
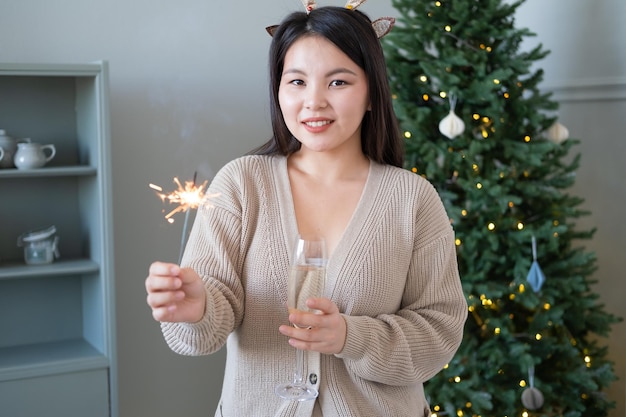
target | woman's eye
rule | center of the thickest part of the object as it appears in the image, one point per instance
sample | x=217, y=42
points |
x=337, y=83
x=296, y=82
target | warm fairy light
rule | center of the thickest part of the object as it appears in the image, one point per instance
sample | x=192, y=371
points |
x=511, y=204
x=443, y=94
x=511, y=297
x=459, y=413
x=555, y=223
x=587, y=359
x=457, y=241
x=496, y=81
x=479, y=186
x=484, y=132
x=538, y=336
x=448, y=28
x=475, y=116
x=525, y=414
x=491, y=226
x=414, y=170
x=407, y=134
x=546, y=306
x=521, y=288
x=526, y=138
x=485, y=119
x=188, y=196
x=475, y=167
x=423, y=78
x=468, y=405
x=438, y=3
x=463, y=212
x=507, y=96
x=522, y=383
x=520, y=226
x=446, y=366
x=457, y=379
x=496, y=331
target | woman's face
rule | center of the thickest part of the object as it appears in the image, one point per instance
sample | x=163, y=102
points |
x=323, y=96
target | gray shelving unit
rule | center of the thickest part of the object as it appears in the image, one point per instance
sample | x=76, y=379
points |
x=57, y=339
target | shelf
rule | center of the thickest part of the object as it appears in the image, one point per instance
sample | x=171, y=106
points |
x=19, y=362
x=57, y=320
x=64, y=267
x=67, y=171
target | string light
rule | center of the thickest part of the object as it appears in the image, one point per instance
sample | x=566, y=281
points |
x=407, y=134
x=521, y=288
x=526, y=138
x=520, y=226
x=448, y=28
x=522, y=383
x=491, y=226
x=423, y=78
x=443, y=94
x=479, y=186
x=538, y=336
x=425, y=97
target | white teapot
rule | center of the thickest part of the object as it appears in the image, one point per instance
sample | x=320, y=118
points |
x=32, y=155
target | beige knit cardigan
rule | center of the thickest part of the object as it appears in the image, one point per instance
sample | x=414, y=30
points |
x=393, y=275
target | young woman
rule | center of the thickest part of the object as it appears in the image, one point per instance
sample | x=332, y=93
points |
x=393, y=310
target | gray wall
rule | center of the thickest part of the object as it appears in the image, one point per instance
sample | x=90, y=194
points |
x=188, y=93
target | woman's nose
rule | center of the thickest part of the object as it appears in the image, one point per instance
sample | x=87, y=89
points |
x=315, y=98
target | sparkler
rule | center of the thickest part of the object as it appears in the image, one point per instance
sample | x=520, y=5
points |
x=188, y=197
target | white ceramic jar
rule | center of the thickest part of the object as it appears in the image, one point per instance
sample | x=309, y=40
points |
x=33, y=155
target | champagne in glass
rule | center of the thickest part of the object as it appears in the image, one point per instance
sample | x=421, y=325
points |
x=307, y=274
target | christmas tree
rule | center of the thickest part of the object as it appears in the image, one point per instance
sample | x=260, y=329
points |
x=479, y=128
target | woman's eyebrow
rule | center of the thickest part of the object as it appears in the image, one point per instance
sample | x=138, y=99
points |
x=330, y=73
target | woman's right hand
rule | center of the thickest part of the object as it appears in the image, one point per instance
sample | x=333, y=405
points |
x=175, y=294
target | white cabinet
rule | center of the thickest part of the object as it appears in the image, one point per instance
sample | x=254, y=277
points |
x=57, y=341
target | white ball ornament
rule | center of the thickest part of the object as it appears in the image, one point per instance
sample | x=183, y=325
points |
x=451, y=126
x=532, y=398
x=557, y=133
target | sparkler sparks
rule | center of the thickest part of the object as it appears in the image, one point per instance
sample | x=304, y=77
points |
x=188, y=197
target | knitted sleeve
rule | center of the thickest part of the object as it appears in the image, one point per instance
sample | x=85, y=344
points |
x=414, y=343
x=214, y=252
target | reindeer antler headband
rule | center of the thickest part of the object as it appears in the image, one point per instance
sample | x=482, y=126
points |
x=382, y=26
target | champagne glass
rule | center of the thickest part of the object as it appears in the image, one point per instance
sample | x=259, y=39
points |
x=307, y=274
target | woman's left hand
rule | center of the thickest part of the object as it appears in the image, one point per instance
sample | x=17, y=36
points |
x=323, y=331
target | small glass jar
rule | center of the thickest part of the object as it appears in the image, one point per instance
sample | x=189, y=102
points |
x=40, y=246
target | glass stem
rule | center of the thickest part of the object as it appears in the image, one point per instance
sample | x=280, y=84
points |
x=298, y=377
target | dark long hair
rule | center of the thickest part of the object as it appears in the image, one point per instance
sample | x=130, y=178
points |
x=351, y=31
